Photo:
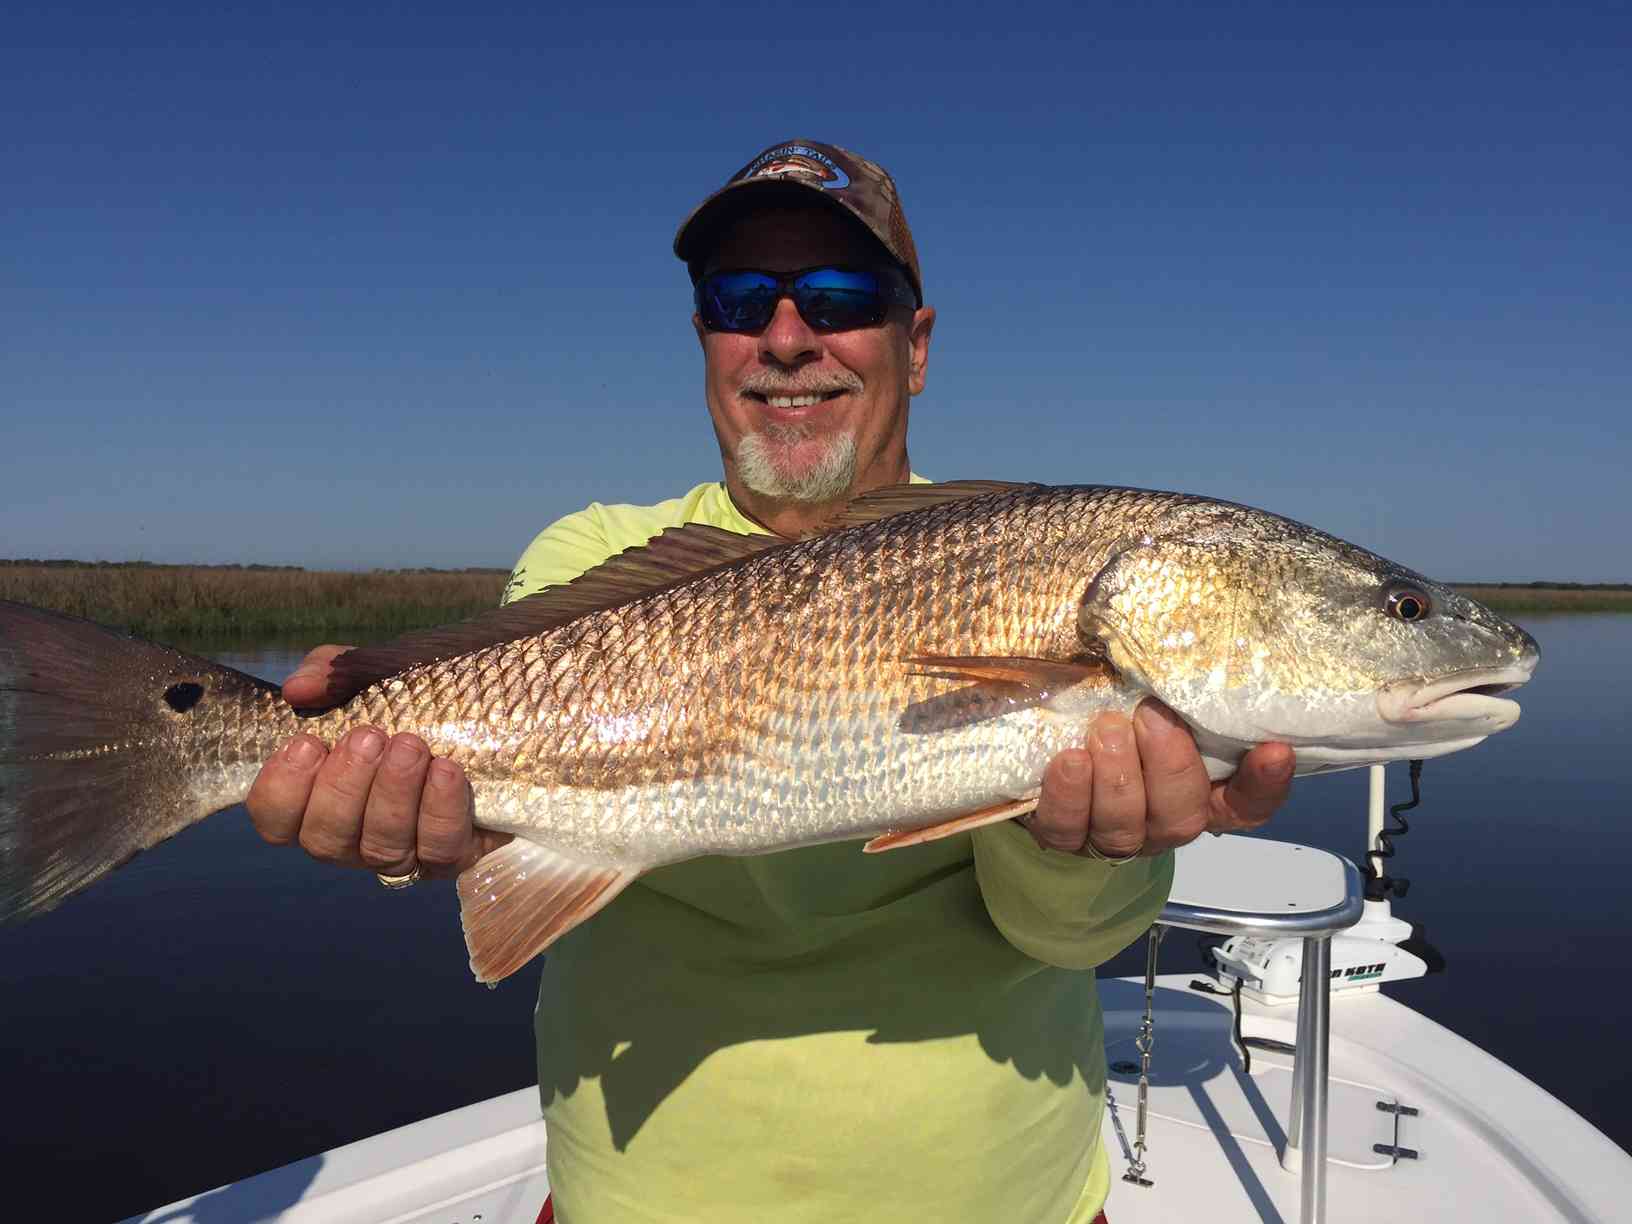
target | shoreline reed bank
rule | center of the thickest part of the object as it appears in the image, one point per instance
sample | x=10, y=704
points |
x=231, y=602
x=263, y=601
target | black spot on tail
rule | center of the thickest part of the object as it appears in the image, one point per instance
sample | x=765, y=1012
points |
x=184, y=696
x=92, y=769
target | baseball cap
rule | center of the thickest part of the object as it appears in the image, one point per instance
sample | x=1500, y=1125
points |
x=863, y=189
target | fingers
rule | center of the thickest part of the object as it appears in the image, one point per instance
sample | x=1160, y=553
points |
x=1061, y=820
x=1141, y=787
x=1177, y=788
x=1119, y=826
x=391, y=814
x=384, y=804
x=277, y=800
x=308, y=685
x=332, y=828
x=1103, y=795
x=447, y=842
x=372, y=802
x=1250, y=796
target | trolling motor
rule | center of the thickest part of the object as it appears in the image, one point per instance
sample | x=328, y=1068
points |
x=1379, y=948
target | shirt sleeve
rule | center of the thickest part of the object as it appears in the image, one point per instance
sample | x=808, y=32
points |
x=565, y=549
x=1063, y=909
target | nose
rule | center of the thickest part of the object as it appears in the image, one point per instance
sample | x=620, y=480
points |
x=787, y=339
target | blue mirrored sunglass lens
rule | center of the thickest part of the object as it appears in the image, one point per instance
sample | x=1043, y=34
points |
x=737, y=301
x=843, y=280
x=836, y=299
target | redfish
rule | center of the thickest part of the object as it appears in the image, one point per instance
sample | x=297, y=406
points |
x=904, y=676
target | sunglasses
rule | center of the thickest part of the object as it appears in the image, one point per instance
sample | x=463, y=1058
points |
x=829, y=299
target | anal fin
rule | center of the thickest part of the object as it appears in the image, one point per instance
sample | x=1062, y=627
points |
x=520, y=899
x=958, y=824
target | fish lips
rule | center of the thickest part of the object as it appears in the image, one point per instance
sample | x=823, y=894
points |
x=1467, y=700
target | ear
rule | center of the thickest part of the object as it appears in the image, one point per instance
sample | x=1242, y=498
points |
x=923, y=323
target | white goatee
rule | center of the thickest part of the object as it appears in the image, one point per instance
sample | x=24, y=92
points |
x=766, y=463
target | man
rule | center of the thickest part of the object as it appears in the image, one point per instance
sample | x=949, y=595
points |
x=818, y=1034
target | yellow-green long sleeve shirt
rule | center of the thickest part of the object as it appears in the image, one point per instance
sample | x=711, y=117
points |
x=821, y=1034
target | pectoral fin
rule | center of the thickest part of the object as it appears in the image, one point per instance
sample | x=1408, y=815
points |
x=958, y=824
x=1039, y=675
x=520, y=899
x=967, y=706
x=995, y=687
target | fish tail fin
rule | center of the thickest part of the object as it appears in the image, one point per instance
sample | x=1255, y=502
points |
x=108, y=745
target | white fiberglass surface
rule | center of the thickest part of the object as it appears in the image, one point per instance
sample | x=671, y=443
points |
x=1250, y=875
x=1490, y=1145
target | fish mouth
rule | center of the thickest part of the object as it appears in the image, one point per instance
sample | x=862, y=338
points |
x=1471, y=697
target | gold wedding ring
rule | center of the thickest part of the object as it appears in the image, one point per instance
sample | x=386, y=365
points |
x=1094, y=852
x=396, y=882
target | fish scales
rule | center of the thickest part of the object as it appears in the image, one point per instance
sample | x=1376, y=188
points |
x=758, y=706
x=904, y=675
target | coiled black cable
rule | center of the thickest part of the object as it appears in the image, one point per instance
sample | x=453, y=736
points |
x=1379, y=884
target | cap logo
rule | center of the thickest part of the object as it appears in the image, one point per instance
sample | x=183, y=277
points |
x=797, y=161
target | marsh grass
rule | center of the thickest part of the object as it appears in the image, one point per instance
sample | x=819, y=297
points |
x=230, y=602
x=1550, y=597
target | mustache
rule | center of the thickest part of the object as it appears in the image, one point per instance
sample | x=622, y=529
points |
x=770, y=382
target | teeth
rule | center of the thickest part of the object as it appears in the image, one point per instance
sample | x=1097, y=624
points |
x=792, y=401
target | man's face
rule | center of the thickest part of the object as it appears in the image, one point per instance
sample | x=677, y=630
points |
x=804, y=416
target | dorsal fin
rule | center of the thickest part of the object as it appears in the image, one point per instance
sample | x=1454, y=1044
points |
x=900, y=498
x=674, y=556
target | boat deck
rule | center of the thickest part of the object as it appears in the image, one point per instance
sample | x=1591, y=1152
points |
x=1492, y=1146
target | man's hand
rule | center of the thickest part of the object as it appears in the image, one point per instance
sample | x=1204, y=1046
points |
x=1140, y=788
x=378, y=802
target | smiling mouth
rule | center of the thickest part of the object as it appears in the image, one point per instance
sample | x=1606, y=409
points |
x=805, y=399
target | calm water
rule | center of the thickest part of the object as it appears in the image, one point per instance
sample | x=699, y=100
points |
x=220, y=1007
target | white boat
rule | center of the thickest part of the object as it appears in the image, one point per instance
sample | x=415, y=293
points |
x=1383, y=1115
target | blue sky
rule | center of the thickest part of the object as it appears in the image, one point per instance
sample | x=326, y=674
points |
x=358, y=286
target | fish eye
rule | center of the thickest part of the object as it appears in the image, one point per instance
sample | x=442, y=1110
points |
x=1408, y=604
